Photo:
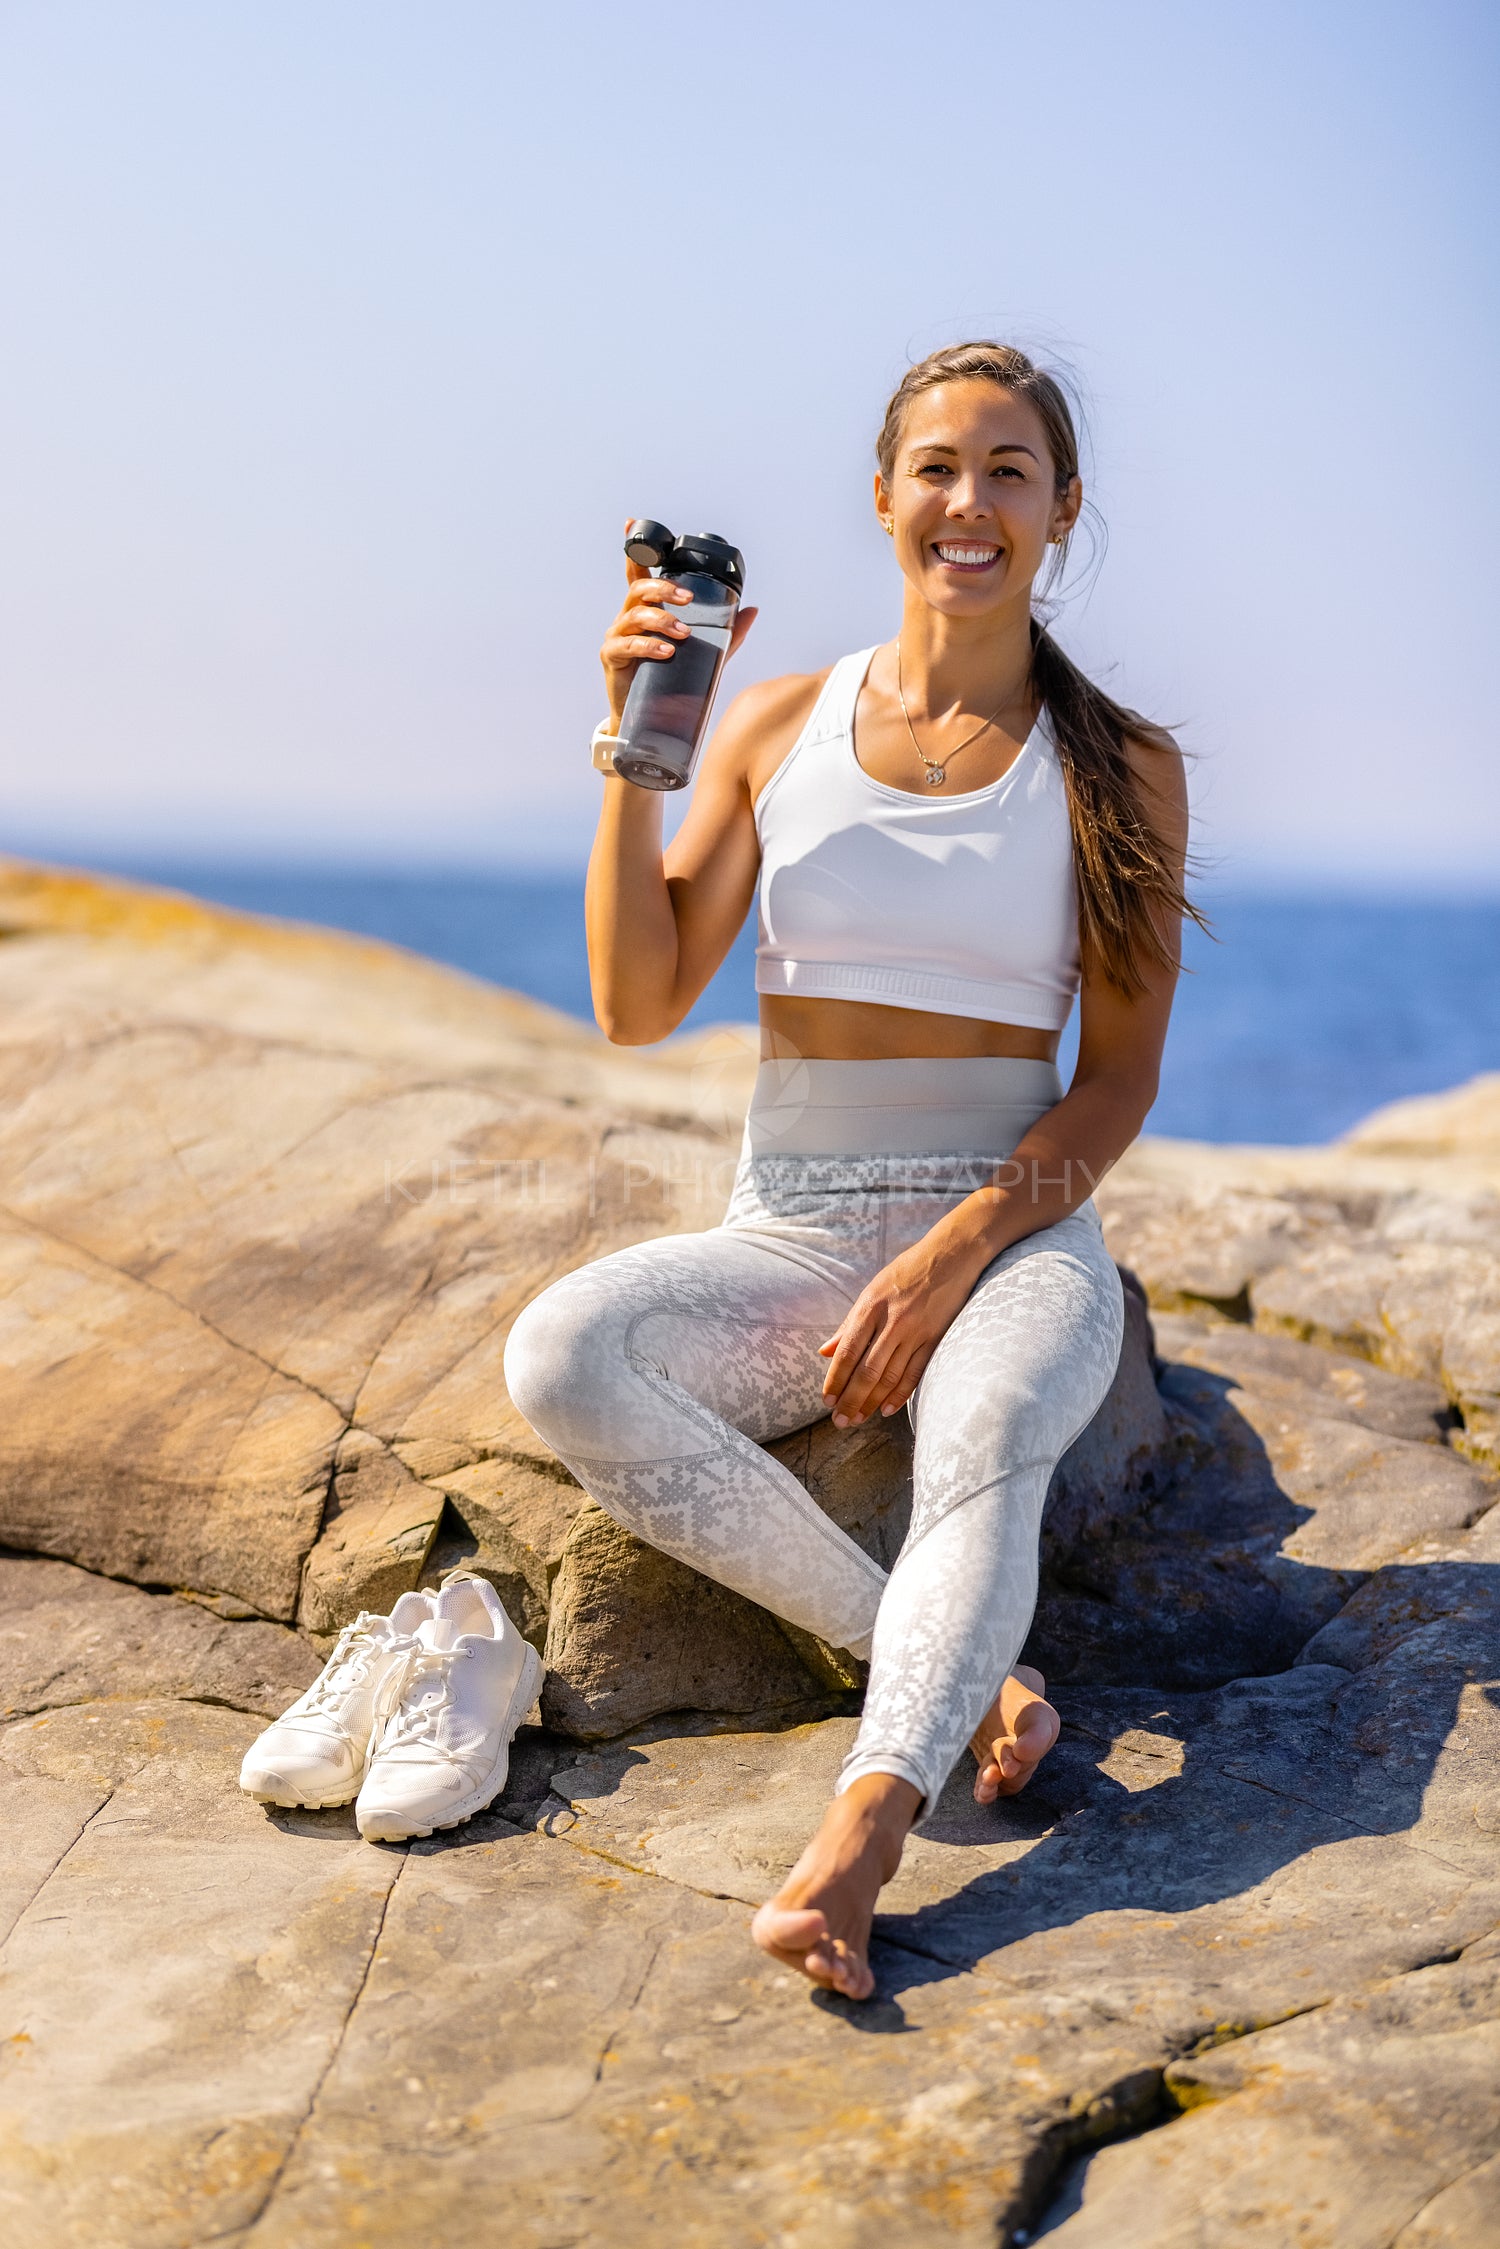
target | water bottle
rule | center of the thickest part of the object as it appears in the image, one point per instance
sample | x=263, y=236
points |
x=666, y=711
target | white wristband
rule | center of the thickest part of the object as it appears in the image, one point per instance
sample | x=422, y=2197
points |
x=603, y=746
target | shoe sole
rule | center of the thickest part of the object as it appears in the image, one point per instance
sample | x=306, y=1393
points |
x=489, y=1788
x=345, y=1795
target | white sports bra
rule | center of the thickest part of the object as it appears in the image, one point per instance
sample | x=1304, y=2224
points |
x=956, y=905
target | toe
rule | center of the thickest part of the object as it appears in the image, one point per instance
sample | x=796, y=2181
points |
x=1036, y=1730
x=838, y=1966
x=799, y=1937
x=1007, y=1759
x=849, y=1974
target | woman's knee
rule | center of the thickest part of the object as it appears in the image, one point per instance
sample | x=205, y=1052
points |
x=1027, y=1363
x=562, y=1359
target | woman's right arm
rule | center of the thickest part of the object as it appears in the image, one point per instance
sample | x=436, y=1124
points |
x=660, y=925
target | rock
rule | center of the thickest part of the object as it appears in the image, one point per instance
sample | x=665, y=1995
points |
x=1420, y=1309
x=177, y=1985
x=67, y=1637
x=378, y=1530
x=137, y=1441
x=255, y=1268
x=728, y=1814
x=1203, y=1248
x=1274, y=1517
x=1334, y=1384
x=529, y=2031
x=1442, y=1578
x=1386, y=1245
x=1460, y=2216
x=44, y=1818
x=618, y=2038
x=1364, y=1498
x=1245, y=1914
x=1123, y=1457
x=1454, y=1128
x=1362, y=2113
x=633, y=1633
x=509, y=1520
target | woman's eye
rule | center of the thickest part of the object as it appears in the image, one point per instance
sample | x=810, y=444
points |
x=933, y=468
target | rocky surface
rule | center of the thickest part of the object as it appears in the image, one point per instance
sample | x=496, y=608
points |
x=1227, y=1974
x=1386, y=1246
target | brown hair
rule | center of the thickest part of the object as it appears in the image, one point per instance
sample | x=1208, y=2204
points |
x=1123, y=876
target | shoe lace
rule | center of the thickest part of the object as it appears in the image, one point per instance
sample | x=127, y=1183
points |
x=347, y=1668
x=411, y=1721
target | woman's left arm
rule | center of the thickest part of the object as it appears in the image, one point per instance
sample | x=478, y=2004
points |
x=877, y=1355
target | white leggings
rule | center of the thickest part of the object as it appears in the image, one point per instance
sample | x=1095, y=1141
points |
x=658, y=1374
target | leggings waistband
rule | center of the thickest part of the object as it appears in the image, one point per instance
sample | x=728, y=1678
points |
x=912, y=1105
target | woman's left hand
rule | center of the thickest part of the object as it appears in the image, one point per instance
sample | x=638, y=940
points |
x=893, y=1327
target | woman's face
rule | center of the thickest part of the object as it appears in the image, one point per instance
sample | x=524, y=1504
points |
x=972, y=500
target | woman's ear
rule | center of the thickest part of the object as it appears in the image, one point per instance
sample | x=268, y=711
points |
x=883, y=505
x=1067, y=510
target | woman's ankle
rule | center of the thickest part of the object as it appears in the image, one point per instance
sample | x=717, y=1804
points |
x=883, y=1806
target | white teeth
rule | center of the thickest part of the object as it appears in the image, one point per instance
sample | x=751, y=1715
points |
x=967, y=554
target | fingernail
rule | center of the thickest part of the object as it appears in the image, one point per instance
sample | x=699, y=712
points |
x=890, y=1409
x=840, y=1421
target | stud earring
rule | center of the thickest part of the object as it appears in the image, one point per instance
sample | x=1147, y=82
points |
x=890, y=528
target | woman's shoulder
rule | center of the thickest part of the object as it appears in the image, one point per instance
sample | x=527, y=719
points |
x=778, y=703
x=763, y=723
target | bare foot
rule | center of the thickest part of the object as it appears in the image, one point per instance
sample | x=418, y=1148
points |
x=819, y=1920
x=1014, y=1735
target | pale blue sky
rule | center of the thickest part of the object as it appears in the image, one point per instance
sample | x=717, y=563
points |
x=341, y=336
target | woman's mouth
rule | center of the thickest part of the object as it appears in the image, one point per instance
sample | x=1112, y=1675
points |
x=970, y=555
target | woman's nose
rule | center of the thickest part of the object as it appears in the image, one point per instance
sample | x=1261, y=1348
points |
x=966, y=497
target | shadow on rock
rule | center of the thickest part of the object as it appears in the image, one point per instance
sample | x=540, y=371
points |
x=1165, y=1802
x=1274, y=1519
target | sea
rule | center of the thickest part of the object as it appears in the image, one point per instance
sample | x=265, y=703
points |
x=1302, y=1013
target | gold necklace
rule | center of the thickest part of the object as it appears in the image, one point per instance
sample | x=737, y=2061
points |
x=937, y=774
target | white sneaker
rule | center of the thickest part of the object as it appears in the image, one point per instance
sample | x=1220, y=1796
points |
x=443, y=1751
x=315, y=1754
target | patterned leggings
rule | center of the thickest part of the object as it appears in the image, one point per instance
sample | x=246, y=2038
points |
x=658, y=1374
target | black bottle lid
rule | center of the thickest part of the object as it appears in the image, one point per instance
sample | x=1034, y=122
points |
x=656, y=548
x=648, y=542
x=714, y=556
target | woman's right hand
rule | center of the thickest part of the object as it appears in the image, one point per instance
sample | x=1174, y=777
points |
x=646, y=631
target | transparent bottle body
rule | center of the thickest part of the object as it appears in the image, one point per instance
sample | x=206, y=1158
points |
x=667, y=710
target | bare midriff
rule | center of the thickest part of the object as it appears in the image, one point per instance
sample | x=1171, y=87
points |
x=861, y=1031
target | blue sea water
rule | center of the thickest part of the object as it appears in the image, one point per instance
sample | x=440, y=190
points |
x=1303, y=1014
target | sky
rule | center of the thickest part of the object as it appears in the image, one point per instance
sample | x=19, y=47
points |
x=342, y=338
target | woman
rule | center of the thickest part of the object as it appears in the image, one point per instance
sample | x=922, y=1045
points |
x=952, y=834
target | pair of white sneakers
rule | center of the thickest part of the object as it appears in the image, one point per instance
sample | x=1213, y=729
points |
x=411, y=1719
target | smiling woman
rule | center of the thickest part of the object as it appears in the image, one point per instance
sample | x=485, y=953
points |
x=1038, y=496
x=953, y=834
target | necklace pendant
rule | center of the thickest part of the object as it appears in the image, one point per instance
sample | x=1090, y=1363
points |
x=936, y=776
